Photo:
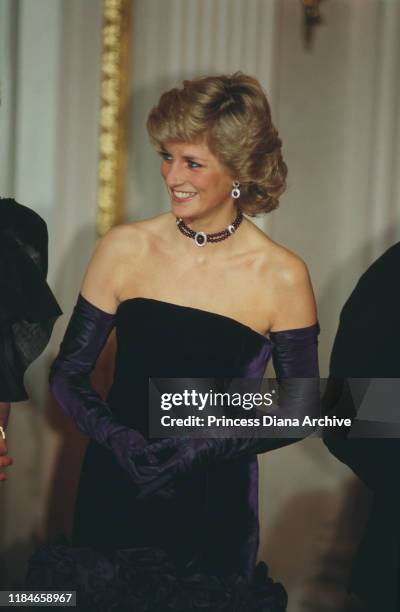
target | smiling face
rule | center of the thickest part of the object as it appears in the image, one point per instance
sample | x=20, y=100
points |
x=196, y=181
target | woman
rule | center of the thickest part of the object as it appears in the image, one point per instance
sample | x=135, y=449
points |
x=28, y=309
x=193, y=293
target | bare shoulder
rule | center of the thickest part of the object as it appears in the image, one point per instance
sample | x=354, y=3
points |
x=275, y=260
x=112, y=249
x=130, y=239
x=287, y=269
x=141, y=234
x=117, y=240
x=295, y=304
x=106, y=269
x=285, y=285
x=117, y=259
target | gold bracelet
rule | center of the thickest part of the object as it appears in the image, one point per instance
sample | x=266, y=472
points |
x=2, y=432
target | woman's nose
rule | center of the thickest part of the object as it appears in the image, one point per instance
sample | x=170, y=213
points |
x=175, y=175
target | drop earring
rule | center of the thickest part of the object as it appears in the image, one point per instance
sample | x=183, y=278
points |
x=235, y=191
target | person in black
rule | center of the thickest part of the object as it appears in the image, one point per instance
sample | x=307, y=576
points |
x=192, y=293
x=28, y=309
x=367, y=347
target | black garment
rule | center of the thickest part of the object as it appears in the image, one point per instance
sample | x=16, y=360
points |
x=195, y=549
x=159, y=339
x=28, y=309
x=367, y=346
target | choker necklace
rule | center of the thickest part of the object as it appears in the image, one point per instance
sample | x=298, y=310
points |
x=201, y=238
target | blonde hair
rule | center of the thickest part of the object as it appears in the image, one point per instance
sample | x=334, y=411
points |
x=232, y=114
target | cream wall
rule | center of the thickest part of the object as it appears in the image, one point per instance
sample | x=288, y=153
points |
x=338, y=113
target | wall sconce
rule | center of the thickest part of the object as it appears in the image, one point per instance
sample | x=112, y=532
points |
x=312, y=18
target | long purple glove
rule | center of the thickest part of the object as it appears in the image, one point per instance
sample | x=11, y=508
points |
x=85, y=337
x=295, y=360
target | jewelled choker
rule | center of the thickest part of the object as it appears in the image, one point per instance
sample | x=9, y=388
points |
x=201, y=238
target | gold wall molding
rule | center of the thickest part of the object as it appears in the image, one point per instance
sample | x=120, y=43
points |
x=114, y=113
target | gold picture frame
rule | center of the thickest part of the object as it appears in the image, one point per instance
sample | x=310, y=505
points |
x=112, y=159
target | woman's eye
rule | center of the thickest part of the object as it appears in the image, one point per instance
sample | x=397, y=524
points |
x=193, y=164
x=165, y=156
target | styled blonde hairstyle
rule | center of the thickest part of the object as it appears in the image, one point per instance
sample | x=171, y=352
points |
x=232, y=115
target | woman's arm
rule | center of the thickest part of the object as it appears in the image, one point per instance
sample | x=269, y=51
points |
x=103, y=278
x=85, y=337
x=86, y=334
x=292, y=295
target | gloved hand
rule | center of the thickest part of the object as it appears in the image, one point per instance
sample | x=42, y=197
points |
x=145, y=467
x=296, y=365
x=85, y=337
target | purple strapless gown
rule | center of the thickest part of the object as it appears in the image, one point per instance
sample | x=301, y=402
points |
x=196, y=550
